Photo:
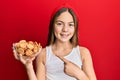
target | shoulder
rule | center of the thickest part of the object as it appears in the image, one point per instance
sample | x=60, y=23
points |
x=84, y=49
x=43, y=51
x=85, y=52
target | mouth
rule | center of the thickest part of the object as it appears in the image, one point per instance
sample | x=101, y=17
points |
x=64, y=35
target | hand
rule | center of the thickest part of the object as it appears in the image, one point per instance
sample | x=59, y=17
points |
x=23, y=59
x=70, y=68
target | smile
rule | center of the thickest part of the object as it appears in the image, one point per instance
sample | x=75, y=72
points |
x=64, y=35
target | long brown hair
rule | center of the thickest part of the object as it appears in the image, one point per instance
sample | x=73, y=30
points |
x=51, y=36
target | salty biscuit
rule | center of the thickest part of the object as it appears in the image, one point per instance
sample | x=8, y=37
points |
x=29, y=52
x=23, y=45
x=20, y=51
x=27, y=48
x=30, y=45
x=21, y=41
x=35, y=49
x=17, y=45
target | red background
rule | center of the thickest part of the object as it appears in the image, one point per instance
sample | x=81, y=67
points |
x=28, y=19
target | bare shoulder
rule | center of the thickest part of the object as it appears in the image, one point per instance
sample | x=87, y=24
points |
x=42, y=56
x=84, y=51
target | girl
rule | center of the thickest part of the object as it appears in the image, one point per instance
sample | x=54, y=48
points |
x=63, y=58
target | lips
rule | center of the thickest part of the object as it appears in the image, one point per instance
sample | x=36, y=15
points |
x=64, y=35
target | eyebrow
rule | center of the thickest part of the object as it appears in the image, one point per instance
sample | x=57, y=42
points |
x=63, y=22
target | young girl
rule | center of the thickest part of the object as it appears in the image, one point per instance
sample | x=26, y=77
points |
x=63, y=58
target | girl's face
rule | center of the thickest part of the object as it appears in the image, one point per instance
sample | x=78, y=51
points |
x=64, y=27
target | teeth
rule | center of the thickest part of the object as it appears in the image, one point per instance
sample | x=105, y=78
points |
x=64, y=35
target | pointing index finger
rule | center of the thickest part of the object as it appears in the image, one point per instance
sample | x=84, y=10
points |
x=63, y=59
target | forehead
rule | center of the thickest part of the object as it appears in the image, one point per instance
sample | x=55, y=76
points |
x=65, y=17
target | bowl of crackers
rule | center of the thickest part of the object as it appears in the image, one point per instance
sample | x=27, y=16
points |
x=27, y=48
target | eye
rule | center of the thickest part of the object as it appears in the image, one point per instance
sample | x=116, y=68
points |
x=59, y=24
x=71, y=25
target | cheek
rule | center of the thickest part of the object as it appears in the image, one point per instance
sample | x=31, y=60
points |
x=57, y=29
x=72, y=31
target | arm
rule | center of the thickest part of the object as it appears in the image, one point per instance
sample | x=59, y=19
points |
x=87, y=67
x=40, y=65
x=30, y=71
x=73, y=70
x=28, y=63
x=87, y=71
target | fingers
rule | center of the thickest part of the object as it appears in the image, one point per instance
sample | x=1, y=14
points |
x=14, y=52
x=15, y=55
x=21, y=57
x=33, y=58
x=63, y=59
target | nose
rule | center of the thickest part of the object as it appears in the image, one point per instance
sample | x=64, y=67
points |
x=65, y=28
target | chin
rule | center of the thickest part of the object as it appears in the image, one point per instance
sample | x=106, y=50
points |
x=65, y=40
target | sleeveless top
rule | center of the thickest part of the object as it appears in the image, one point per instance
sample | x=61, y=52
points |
x=55, y=66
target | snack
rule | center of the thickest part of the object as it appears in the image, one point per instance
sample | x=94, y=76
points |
x=27, y=48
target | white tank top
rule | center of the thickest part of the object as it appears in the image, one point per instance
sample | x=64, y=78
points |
x=55, y=66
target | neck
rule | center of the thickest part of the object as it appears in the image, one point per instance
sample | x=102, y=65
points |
x=62, y=46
